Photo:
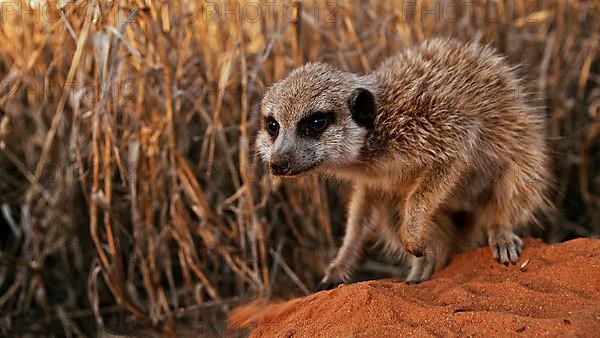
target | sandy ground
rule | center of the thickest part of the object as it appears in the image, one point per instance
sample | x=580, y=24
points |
x=556, y=293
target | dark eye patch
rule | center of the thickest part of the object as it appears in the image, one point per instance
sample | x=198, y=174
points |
x=272, y=126
x=315, y=124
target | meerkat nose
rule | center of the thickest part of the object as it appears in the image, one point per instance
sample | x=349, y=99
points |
x=280, y=164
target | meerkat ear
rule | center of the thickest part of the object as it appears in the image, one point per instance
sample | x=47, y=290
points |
x=363, y=108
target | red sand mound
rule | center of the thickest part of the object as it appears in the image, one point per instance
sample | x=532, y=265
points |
x=556, y=293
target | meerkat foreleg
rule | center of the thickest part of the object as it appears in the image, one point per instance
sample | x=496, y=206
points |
x=439, y=250
x=422, y=203
x=358, y=230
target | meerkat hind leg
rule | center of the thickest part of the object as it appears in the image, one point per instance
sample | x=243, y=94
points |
x=499, y=213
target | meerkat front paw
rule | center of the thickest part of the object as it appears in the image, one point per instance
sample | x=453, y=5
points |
x=506, y=246
x=334, y=275
x=421, y=269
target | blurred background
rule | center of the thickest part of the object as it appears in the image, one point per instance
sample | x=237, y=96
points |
x=131, y=198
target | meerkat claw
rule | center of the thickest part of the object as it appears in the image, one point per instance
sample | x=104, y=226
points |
x=421, y=269
x=324, y=286
x=334, y=275
x=328, y=282
x=506, y=246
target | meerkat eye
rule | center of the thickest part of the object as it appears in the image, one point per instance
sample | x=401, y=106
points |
x=319, y=123
x=315, y=124
x=272, y=126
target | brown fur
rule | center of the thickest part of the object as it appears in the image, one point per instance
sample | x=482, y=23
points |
x=453, y=132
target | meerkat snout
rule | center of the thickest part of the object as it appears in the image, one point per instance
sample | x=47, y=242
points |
x=280, y=164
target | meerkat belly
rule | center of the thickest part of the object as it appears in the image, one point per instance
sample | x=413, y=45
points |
x=387, y=237
x=386, y=220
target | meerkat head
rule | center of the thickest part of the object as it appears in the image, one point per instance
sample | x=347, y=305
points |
x=317, y=117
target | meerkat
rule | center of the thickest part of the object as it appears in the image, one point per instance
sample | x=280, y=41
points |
x=439, y=129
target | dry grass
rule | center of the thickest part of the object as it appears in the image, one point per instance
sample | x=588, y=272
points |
x=129, y=187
